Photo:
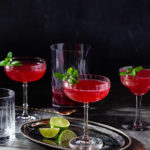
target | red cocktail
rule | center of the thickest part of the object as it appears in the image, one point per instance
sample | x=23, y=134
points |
x=139, y=85
x=90, y=88
x=27, y=72
x=85, y=90
x=31, y=69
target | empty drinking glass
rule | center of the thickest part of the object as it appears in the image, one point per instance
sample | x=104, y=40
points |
x=7, y=115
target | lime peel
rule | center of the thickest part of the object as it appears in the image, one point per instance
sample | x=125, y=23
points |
x=65, y=136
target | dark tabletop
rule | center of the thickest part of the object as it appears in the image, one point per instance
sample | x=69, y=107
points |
x=112, y=117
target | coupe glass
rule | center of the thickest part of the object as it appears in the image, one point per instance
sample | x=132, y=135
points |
x=139, y=85
x=32, y=69
x=91, y=88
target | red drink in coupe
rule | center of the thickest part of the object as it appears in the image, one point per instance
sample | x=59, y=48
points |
x=29, y=71
x=90, y=88
x=139, y=84
x=85, y=90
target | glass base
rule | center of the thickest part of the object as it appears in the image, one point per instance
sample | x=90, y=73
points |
x=92, y=144
x=28, y=118
x=7, y=139
x=132, y=126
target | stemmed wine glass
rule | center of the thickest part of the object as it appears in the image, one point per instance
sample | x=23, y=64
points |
x=139, y=85
x=31, y=69
x=90, y=88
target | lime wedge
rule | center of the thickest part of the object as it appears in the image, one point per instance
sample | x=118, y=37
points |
x=59, y=122
x=65, y=136
x=49, y=132
x=49, y=141
x=64, y=144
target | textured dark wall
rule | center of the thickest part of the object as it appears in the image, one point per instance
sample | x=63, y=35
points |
x=119, y=30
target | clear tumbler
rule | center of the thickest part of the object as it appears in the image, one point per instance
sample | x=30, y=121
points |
x=63, y=56
x=7, y=115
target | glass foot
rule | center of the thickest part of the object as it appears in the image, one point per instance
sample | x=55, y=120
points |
x=92, y=144
x=7, y=139
x=132, y=126
x=28, y=118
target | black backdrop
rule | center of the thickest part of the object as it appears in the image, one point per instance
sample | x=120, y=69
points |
x=119, y=32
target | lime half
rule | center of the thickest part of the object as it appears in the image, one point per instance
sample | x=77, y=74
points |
x=59, y=122
x=49, y=132
x=65, y=137
x=49, y=141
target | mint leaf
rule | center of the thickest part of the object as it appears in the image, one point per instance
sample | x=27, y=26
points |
x=70, y=81
x=65, y=77
x=138, y=69
x=128, y=70
x=3, y=63
x=123, y=73
x=131, y=71
x=59, y=75
x=8, y=61
x=70, y=71
x=15, y=63
x=75, y=73
x=9, y=55
x=71, y=75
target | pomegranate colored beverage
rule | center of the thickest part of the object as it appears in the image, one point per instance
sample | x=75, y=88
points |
x=138, y=84
x=85, y=91
x=31, y=69
x=59, y=97
x=89, y=88
x=28, y=72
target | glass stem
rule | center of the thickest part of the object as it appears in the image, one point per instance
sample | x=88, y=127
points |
x=25, y=100
x=138, y=122
x=85, y=137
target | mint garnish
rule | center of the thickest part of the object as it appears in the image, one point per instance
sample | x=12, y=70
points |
x=131, y=71
x=71, y=75
x=8, y=61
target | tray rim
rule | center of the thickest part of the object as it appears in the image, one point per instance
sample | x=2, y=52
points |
x=79, y=119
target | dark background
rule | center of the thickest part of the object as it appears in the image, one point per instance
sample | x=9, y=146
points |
x=119, y=32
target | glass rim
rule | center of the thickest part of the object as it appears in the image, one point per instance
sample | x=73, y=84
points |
x=29, y=57
x=97, y=87
x=146, y=67
x=96, y=75
x=68, y=50
x=10, y=95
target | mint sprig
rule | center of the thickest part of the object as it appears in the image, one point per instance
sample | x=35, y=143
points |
x=71, y=75
x=8, y=61
x=131, y=71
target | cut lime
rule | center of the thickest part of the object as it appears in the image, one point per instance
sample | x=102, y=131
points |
x=49, y=141
x=65, y=137
x=59, y=122
x=49, y=132
x=64, y=144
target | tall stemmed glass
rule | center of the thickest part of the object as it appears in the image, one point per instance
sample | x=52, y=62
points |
x=139, y=85
x=90, y=88
x=31, y=69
